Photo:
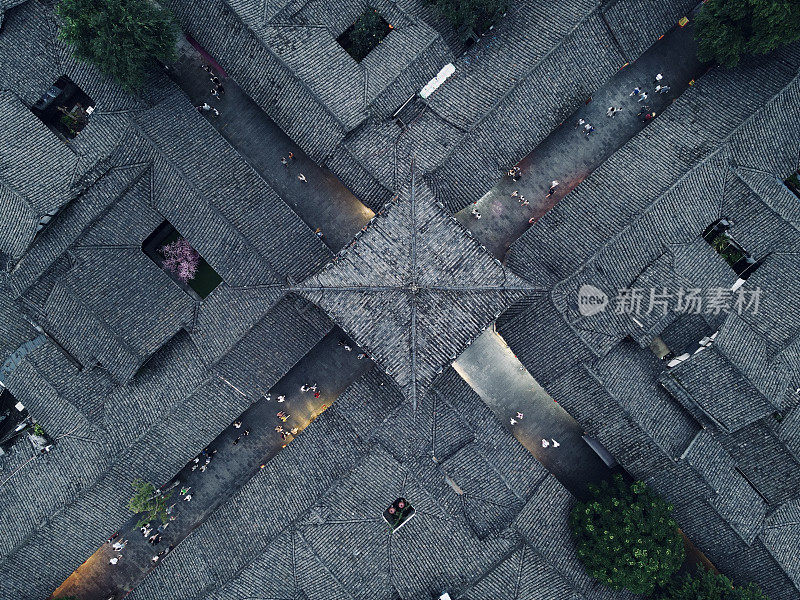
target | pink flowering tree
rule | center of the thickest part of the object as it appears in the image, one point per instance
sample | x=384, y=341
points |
x=181, y=259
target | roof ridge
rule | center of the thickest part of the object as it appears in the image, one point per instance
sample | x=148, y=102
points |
x=283, y=64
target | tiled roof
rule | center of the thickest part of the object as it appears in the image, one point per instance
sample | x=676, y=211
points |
x=781, y=537
x=413, y=289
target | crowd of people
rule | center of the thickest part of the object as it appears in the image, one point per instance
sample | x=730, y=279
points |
x=645, y=114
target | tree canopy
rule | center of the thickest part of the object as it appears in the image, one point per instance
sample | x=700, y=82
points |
x=146, y=501
x=707, y=585
x=120, y=37
x=726, y=30
x=468, y=16
x=626, y=537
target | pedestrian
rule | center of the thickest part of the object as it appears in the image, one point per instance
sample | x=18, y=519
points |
x=662, y=89
x=284, y=162
x=206, y=68
x=521, y=199
x=648, y=117
x=475, y=212
x=553, y=186
x=579, y=123
x=246, y=432
x=291, y=155
x=588, y=130
x=636, y=91
x=302, y=178
x=281, y=398
x=643, y=97
x=658, y=78
x=206, y=107
x=214, y=92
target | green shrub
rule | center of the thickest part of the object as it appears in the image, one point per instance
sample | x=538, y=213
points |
x=365, y=34
x=145, y=501
x=707, y=585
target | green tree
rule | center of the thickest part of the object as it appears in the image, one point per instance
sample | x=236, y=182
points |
x=365, y=34
x=708, y=585
x=626, y=537
x=726, y=30
x=146, y=501
x=120, y=37
x=471, y=16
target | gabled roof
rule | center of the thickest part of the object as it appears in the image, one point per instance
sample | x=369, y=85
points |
x=774, y=193
x=781, y=536
x=734, y=498
x=734, y=382
x=24, y=200
x=413, y=289
x=294, y=68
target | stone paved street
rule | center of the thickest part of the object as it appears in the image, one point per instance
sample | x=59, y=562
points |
x=329, y=365
x=322, y=201
x=568, y=157
x=492, y=370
